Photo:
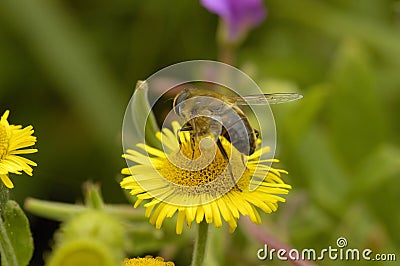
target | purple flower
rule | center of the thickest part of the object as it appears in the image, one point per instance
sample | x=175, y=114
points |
x=239, y=15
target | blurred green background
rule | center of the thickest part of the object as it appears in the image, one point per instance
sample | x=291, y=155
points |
x=69, y=69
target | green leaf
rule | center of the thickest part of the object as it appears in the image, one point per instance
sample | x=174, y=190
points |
x=328, y=183
x=356, y=120
x=138, y=119
x=302, y=114
x=339, y=22
x=376, y=184
x=379, y=167
x=16, y=238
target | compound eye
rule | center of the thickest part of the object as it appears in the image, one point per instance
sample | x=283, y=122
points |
x=179, y=98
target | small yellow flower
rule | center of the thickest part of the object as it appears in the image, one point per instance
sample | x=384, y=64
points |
x=13, y=141
x=173, y=183
x=147, y=261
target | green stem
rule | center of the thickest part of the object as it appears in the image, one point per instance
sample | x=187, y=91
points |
x=61, y=211
x=53, y=210
x=200, y=244
x=93, y=196
x=4, y=196
x=7, y=252
x=227, y=54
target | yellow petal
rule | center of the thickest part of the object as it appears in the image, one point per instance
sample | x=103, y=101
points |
x=6, y=180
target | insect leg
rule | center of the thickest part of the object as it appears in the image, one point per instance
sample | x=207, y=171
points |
x=192, y=143
x=225, y=155
x=185, y=127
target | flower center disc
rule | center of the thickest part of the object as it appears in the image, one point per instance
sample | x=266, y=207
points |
x=198, y=169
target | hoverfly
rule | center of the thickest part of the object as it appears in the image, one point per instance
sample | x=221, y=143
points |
x=208, y=113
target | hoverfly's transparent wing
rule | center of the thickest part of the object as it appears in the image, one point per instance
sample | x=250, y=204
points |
x=260, y=99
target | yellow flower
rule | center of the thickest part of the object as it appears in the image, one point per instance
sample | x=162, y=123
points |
x=147, y=261
x=13, y=141
x=202, y=187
